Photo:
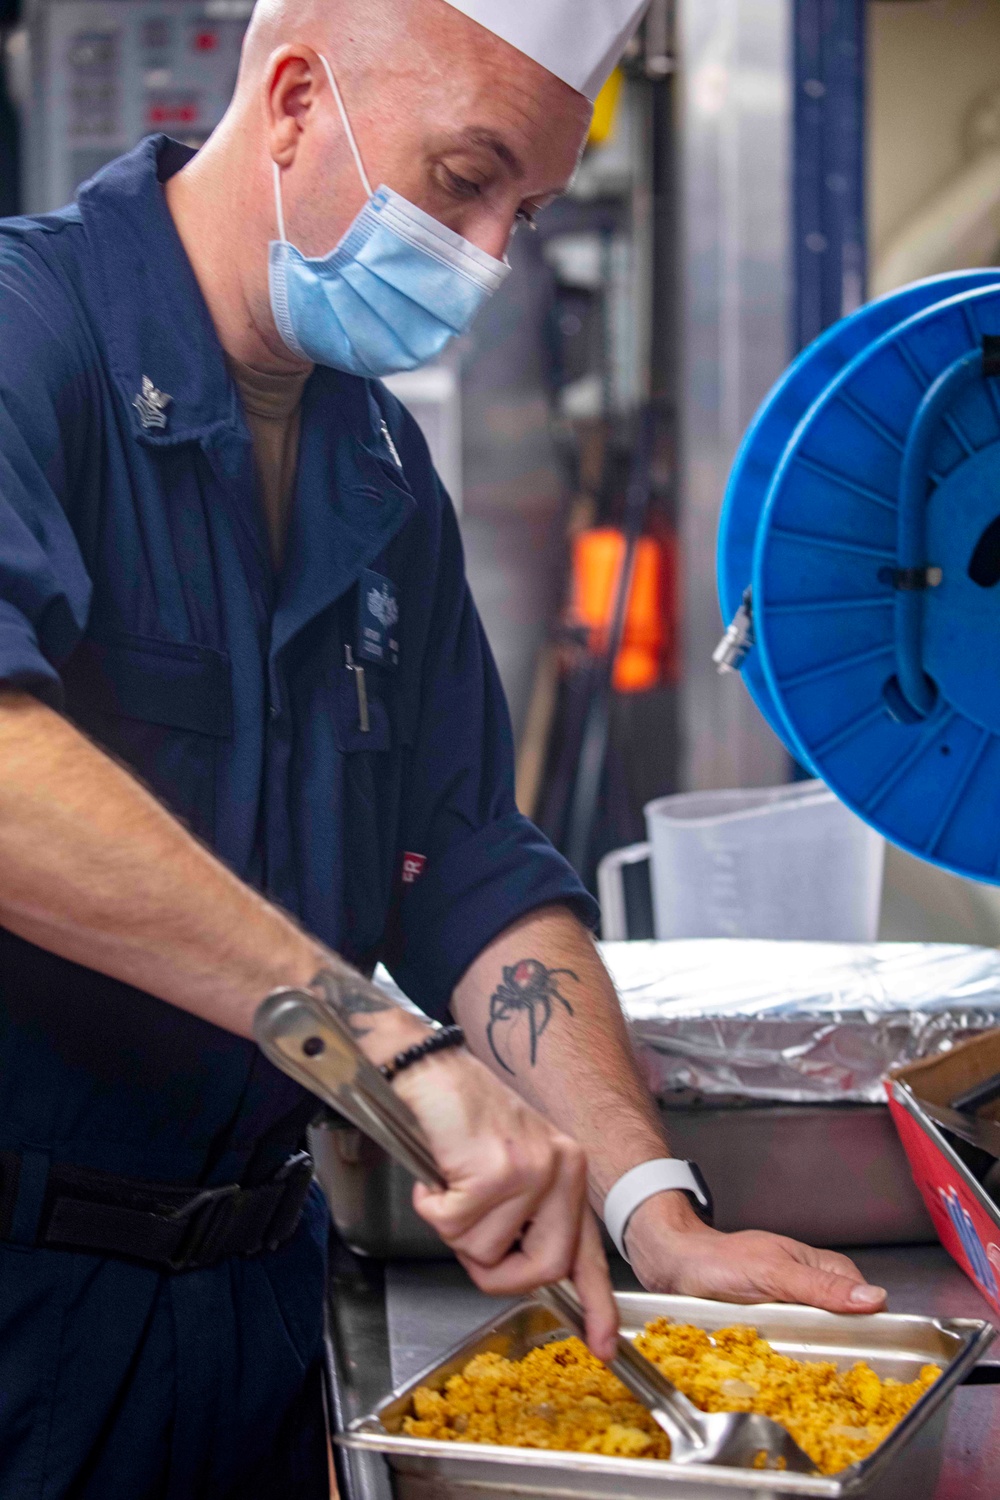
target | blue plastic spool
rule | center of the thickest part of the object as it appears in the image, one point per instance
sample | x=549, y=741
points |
x=876, y=576
x=772, y=428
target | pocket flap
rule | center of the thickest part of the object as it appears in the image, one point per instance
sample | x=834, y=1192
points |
x=175, y=684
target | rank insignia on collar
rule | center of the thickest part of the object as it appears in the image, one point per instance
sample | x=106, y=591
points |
x=151, y=405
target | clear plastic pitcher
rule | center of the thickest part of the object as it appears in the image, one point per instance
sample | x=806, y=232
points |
x=769, y=862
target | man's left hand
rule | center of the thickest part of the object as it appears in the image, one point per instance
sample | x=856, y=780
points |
x=562, y=1041
x=673, y=1251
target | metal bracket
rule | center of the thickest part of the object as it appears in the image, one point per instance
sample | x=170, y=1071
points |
x=914, y=580
x=738, y=641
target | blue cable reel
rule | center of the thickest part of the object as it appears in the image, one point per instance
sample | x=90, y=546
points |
x=772, y=428
x=874, y=567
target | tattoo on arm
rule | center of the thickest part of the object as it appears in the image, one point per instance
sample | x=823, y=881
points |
x=352, y=1000
x=527, y=994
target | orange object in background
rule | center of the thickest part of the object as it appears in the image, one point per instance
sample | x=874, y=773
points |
x=598, y=556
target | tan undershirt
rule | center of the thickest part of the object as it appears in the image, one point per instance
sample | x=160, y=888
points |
x=273, y=408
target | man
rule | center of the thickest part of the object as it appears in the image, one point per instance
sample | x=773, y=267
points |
x=249, y=729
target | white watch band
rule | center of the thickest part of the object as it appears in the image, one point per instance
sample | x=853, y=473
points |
x=642, y=1182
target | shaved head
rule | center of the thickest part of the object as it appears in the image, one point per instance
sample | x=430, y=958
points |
x=368, y=27
x=444, y=112
x=398, y=37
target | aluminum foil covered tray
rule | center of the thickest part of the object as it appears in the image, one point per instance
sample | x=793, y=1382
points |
x=904, y=1467
x=798, y=1023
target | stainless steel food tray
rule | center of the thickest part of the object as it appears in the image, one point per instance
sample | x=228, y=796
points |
x=905, y=1467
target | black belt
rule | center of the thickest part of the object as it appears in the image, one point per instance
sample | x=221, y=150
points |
x=158, y=1224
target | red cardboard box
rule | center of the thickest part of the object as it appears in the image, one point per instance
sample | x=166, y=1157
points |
x=965, y=1217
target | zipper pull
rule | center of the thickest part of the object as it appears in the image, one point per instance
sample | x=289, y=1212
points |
x=364, y=722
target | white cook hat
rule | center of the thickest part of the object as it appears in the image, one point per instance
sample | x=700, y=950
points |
x=578, y=40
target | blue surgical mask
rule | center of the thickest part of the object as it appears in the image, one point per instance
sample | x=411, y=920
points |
x=391, y=295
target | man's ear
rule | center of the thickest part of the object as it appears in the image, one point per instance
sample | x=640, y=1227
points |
x=291, y=85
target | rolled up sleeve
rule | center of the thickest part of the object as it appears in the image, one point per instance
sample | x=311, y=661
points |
x=482, y=864
x=44, y=586
x=23, y=664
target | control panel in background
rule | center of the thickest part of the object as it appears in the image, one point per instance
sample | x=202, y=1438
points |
x=92, y=77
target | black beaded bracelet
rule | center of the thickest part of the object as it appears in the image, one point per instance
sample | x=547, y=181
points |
x=438, y=1041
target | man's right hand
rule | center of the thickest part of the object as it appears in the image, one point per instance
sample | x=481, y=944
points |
x=515, y=1211
x=94, y=869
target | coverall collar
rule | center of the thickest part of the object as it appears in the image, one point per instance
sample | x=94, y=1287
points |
x=156, y=323
x=351, y=494
x=351, y=499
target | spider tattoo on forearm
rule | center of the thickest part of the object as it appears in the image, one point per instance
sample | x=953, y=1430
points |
x=529, y=991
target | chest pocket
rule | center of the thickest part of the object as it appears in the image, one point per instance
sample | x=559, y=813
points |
x=373, y=777
x=352, y=738
x=164, y=708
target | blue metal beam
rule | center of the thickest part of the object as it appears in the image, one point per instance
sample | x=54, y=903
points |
x=828, y=196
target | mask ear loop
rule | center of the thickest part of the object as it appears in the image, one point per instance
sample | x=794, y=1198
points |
x=278, y=197
x=278, y=203
x=347, y=126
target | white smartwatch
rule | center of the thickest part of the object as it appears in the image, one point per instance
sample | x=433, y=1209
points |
x=645, y=1181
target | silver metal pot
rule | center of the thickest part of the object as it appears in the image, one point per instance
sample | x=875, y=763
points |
x=827, y=1174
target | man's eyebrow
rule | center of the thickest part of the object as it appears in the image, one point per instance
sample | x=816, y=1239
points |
x=478, y=137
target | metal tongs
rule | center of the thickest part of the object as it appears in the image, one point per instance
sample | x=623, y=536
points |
x=304, y=1037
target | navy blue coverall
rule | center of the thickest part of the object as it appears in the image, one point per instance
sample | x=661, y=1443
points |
x=137, y=597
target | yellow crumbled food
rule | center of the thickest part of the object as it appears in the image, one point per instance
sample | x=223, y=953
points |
x=561, y=1397
x=836, y=1416
x=558, y=1396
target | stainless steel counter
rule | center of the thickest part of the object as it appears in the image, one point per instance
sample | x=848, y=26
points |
x=388, y=1323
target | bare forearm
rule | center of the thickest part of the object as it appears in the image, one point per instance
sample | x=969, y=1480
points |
x=538, y=1006
x=94, y=869
x=555, y=1030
